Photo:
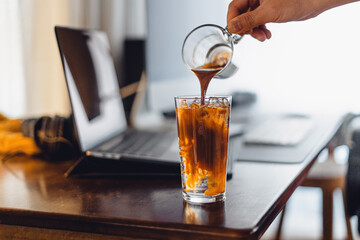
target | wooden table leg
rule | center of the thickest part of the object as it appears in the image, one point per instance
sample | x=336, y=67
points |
x=278, y=233
x=327, y=214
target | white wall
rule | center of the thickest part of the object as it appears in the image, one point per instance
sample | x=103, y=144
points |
x=31, y=77
x=11, y=60
x=310, y=66
x=306, y=65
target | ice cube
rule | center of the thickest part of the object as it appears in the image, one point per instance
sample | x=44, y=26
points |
x=215, y=101
x=201, y=129
x=225, y=102
x=183, y=104
x=203, y=112
x=197, y=100
x=196, y=103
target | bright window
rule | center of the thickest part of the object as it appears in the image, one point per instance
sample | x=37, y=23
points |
x=12, y=97
x=312, y=65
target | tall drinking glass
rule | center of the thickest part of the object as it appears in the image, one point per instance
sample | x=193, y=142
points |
x=203, y=132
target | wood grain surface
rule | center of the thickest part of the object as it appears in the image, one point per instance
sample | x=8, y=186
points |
x=35, y=193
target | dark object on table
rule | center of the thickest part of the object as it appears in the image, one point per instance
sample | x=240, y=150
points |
x=88, y=166
x=240, y=98
x=53, y=135
x=353, y=177
x=169, y=113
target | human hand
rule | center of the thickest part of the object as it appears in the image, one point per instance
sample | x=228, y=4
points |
x=250, y=16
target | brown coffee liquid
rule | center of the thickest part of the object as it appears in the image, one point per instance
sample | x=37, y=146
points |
x=207, y=71
x=205, y=75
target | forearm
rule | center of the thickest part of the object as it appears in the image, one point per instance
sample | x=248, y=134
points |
x=321, y=6
x=250, y=16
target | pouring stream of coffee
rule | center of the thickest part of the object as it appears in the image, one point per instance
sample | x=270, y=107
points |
x=207, y=71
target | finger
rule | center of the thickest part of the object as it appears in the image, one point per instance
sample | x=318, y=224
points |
x=266, y=31
x=247, y=21
x=253, y=4
x=259, y=34
x=237, y=7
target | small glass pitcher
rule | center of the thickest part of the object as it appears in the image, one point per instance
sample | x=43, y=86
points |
x=213, y=44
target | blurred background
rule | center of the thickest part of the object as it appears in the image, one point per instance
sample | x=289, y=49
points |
x=31, y=76
x=310, y=66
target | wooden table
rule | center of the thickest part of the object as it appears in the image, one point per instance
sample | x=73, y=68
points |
x=37, y=201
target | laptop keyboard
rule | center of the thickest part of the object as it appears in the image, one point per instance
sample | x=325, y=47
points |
x=139, y=143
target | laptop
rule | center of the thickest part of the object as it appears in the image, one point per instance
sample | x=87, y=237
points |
x=97, y=107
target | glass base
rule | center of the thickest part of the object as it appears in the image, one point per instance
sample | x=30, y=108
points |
x=201, y=198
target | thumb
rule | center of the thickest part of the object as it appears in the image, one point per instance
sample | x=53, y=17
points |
x=245, y=22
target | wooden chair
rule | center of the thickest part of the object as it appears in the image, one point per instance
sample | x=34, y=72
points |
x=328, y=176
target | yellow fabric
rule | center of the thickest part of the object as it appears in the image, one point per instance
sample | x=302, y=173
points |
x=12, y=140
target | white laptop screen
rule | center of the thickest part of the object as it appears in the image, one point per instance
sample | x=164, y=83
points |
x=92, y=84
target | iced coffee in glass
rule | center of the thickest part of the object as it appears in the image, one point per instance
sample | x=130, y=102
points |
x=203, y=131
x=203, y=121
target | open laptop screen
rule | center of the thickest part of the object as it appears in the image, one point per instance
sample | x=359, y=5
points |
x=92, y=84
